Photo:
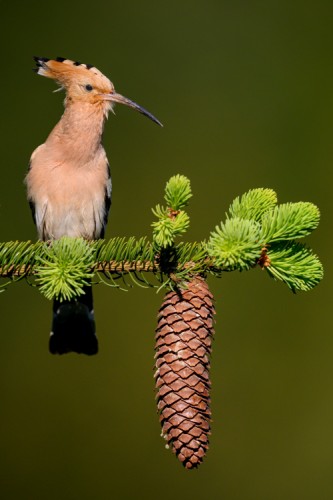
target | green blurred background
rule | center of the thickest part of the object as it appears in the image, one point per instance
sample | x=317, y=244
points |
x=244, y=89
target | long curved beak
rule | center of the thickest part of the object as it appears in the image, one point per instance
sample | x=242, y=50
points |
x=123, y=100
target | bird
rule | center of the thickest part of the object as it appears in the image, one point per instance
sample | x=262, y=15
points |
x=69, y=184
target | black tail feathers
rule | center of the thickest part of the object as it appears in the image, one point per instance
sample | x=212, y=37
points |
x=73, y=326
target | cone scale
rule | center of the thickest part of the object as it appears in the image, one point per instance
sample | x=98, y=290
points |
x=183, y=346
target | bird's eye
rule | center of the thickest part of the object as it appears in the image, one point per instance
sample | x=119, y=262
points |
x=88, y=87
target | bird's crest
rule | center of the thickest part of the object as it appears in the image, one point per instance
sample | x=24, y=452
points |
x=66, y=72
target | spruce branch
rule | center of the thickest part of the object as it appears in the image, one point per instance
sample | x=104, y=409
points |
x=172, y=220
x=178, y=192
x=294, y=264
x=18, y=257
x=235, y=244
x=169, y=225
x=64, y=267
x=290, y=221
x=253, y=204
x=121, y=253
x=255, y=232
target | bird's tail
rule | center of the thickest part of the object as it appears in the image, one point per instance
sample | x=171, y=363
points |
x=73, y=326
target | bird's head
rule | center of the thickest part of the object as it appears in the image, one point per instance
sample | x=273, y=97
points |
x=85, y=83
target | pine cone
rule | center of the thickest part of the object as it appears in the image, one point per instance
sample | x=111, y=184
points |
x=183, y=346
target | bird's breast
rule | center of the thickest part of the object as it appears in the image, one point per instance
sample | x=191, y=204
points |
x=69, y=198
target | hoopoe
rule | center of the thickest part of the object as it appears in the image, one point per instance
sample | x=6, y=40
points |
x=69, y=184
